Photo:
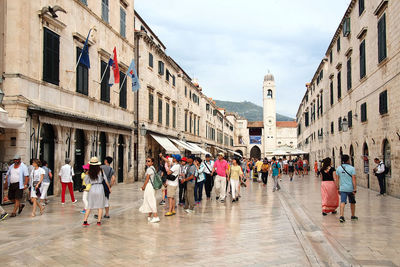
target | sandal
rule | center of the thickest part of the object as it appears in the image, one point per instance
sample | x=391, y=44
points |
x=13, y=215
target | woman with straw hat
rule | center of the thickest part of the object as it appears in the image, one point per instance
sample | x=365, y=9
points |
x=96, y=196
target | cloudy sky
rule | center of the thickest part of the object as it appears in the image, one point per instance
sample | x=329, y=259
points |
x=229, y=45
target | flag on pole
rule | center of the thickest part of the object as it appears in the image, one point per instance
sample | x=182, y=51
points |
x=132, y=73
x=114, y=77
x=84, y=58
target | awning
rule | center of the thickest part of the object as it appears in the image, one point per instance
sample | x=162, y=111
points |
x=235, y=153
x=298, y=152
x=199, y=148
x=220, y=149
x=7, y=123
x=166, y=144
x=186, y=146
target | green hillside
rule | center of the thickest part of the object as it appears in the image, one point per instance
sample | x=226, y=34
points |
x=249, y=110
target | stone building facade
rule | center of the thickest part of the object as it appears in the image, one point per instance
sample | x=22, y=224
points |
x=67, y=111
x=351, y=103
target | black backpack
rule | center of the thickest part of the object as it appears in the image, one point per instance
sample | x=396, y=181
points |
x=387, y=169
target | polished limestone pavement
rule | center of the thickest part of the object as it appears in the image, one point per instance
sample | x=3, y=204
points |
x=283, y=228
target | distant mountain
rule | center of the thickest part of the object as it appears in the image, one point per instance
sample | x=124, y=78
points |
x=249, y=110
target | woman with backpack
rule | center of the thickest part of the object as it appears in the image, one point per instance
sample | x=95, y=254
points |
x=329, y=190
x=96, y=195
x=149, y=198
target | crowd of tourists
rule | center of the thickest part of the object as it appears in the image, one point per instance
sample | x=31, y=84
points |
x=182, y=181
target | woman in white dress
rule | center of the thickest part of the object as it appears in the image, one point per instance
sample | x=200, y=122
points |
x=36, y=179
x=96, y=196
x=149, y=199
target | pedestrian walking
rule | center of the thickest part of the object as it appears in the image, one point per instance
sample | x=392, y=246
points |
x=85, y=187
x=182, y=186
x=149, y=205
x=258, y=165
x=190, y=181
x=291, y=164
x=17, y=179
x=264, y=172
x=66, y=175
x=329, y=189
x=165, y=165
x=110, y=175
x=305, y=166
x=285, y=165
x=316, y=168
x=300, y=166
x=48, y=175
x=172, y=184
x=275, y=166
x=380, y=173
x=236, y=175
x=35, y=179
x=209, y=182
x=221, y=169
x=347, y=187
x=200, y=178
x=280, y=169
x=96, y=196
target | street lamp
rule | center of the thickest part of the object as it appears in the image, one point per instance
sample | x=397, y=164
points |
x=345, y=125
x=1, y=96
x=143, y=130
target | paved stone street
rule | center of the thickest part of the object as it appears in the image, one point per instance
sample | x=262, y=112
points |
x=283, y=228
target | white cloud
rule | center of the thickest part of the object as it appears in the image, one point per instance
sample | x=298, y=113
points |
x=230, y=44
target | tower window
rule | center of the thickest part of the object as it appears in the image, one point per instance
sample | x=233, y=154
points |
x=269, y=93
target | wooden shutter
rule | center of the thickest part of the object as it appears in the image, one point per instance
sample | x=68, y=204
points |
x=361, y=7
x=383, y=107
x=362, y=60
x=363, y=112
x=382, y=38
x=151, y=60
x=151, y=107
x=350, y=118
x=339, y=85
x=349, y=73
x=123, y=91
x=105, y=88
x=51, y=57
x=82, y=74
x=331, y=89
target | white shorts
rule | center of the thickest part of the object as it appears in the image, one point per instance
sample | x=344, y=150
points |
x=43, y=189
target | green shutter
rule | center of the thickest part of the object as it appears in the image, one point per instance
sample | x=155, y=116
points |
x=382, y=51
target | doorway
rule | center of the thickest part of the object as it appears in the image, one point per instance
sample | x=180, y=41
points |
x=255, y=152
x=102, y=147
x=120, y=158
x=79, y=157
x=47, y=150
x=366, y=162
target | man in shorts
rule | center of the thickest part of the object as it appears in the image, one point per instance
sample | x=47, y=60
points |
x=17, y=179
x=347, y=187
x=172, y=185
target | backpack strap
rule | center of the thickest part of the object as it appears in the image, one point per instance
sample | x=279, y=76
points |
x=346, y=171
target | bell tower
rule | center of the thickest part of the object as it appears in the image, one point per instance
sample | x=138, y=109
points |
x=269, y=115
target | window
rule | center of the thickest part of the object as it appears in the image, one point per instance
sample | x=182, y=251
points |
x=383, y=106
x=174, y=117
x=349, y=73
x=350, y=118
x=313, y=111
x=104, y=10
x=332, y=128
x=159, y=110
x=190, y=123
x=186, y=121
x=51, y=57
x=167, y=114
x=122, y=21
x=167, y=75
x=361, y=7
x=198, y=126
x=306, y=119
x=122, y=90
x=317, y=106
x=346, y=27
x=151, y=64
x=320, y=104
x=161, y=68
x=362, y=60
x=269, y=93
x=185, y=91
x=105, y=88
x=82, y=73
x=331, y=88
x=330, y=57
x=194, y=124
x=173, y=80
x=364, y=112
x=339, y=85
x=338, y=44
x=151, y=107
x=340, y=128
x=382, y=53
x=386, y=156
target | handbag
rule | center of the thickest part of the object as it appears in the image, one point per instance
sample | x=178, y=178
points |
x=106, y=189
x=156, y=182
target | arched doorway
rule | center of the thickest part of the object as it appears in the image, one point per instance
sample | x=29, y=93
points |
x=352, y=155
x=333, y=158
x=120, y=158
x=47, y=137
x=79, y=157
x=340, y=154
x=386, y=155
x=366, y=162
x=102, y=146
x=239, y=151
x=255, y=152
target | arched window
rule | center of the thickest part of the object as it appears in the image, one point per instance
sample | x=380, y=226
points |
x=269, y=93
x=386, y=155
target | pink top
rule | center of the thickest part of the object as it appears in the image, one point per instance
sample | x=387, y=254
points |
x=221, y=167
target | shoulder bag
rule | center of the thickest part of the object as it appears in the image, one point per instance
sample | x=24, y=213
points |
x=106, y=189
x=156, y=182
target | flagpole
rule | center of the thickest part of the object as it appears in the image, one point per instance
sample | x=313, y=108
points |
x=120, y=87
x=102, y=76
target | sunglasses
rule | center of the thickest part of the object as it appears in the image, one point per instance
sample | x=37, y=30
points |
x=148, y=160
